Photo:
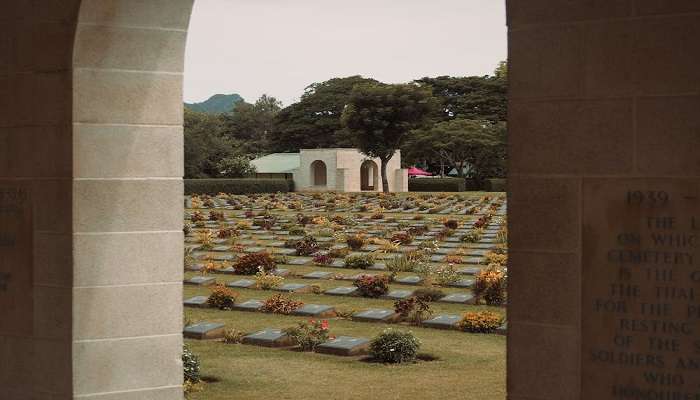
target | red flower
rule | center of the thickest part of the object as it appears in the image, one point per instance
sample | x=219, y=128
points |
x=324, y=325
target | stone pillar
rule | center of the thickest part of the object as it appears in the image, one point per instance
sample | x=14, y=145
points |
x=91, y=165
x=36, y=199
x=604, y=99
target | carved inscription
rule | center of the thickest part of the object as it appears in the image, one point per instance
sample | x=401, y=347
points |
x=16, y=259
x=641, y=289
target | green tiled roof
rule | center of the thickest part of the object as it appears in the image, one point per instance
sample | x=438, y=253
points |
x=277, y=163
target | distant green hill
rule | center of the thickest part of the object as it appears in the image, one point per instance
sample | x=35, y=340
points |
x=216, y=104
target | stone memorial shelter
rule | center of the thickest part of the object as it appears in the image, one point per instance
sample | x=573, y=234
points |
x=338, y=170
x=604, y=201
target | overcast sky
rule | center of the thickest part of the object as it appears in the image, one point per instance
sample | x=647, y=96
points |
x=279, y=47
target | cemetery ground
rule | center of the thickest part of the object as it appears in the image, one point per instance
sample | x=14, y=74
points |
x=451, y=363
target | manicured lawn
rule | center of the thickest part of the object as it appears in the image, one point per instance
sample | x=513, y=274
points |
x=453, y=365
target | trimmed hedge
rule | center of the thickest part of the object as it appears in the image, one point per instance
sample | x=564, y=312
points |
x=496, y=185
x=237, y=186
x=436, y=185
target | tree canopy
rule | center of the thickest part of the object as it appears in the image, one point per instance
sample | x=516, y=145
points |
x=314, y=122
x=379, y=116
x=462, y=143
x=471, y=97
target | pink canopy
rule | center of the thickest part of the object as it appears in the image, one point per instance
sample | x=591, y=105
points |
x=413, y=171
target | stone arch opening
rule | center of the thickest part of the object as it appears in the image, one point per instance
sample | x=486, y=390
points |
x=369, y=176
x=319, y=173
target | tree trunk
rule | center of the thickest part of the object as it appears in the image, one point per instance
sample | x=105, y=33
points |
x=385, y=181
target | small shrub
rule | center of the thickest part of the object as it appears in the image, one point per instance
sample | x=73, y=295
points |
x=472, y=236
x=297, y=231
x=310, y=334
x=446, y=275
x=267, y=281
x=372, y=286
x=250, y=264
x=359, y=261
x=237, y=186
x=323, y=259
x=216, y=216
x=355, y=242
x=429, y=294
x=233, y=336
x=480, y=322
x=394, y=347
x=451, y=224
x=190, y=366
x=307, y=246
x=197, y=216
x=490, y=285
x=226, y=233
x=402, y=237
x=339, y=253
x=207, y=239
x=377, y=215
x=222, y=298
x=400, y=264
x=280, y=304
x=413, y=309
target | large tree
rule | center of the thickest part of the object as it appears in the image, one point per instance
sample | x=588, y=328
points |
x=314, y=122
x=461, y=143
x=205, y=144
x=379, y=116
x=472, y=97
x=251, y=124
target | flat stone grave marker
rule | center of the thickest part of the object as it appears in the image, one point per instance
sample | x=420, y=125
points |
x=204, y=331
x=451, y=245
x=250, y=305
x=483, y=246
x=488, y=239
x=223, y=257
x=339, y=246
x=444, y=250
x=355, y=277
x=462, y=283
x=437, y=258
x=280, y=272
x=469, y=270
x=477, y=252
x=461, y=298
x=341, y=291
x=201, y=281
x=318, y=275
x=196, y=302
x=407, y=249
x=221, y=248
x=246, y=242
x=315, y=310
x=376, y=315
x=299, y=261
x=195, y=267
x=254, y=249
x=241, y=284
x=473, y=260
x=370, y=247
x=398, y=294
x=227, y=271
x=324, y=239
x=338, y=263
x=445, y=321
x=294, y=288
x=378, y=267
x=285, y=252
x=269, y=338
x=409, y=280
x=453, y=239
x=266, y=237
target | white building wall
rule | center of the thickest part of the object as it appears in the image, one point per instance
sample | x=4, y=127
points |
x=343, y=171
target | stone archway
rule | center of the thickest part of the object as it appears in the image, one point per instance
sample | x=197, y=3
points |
x=369, y=176
x=91, y=138
x=319, y=173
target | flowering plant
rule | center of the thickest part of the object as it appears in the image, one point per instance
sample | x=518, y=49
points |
x=480, y=322
x=372, y=286
x=266, y=281
x=310, y=334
